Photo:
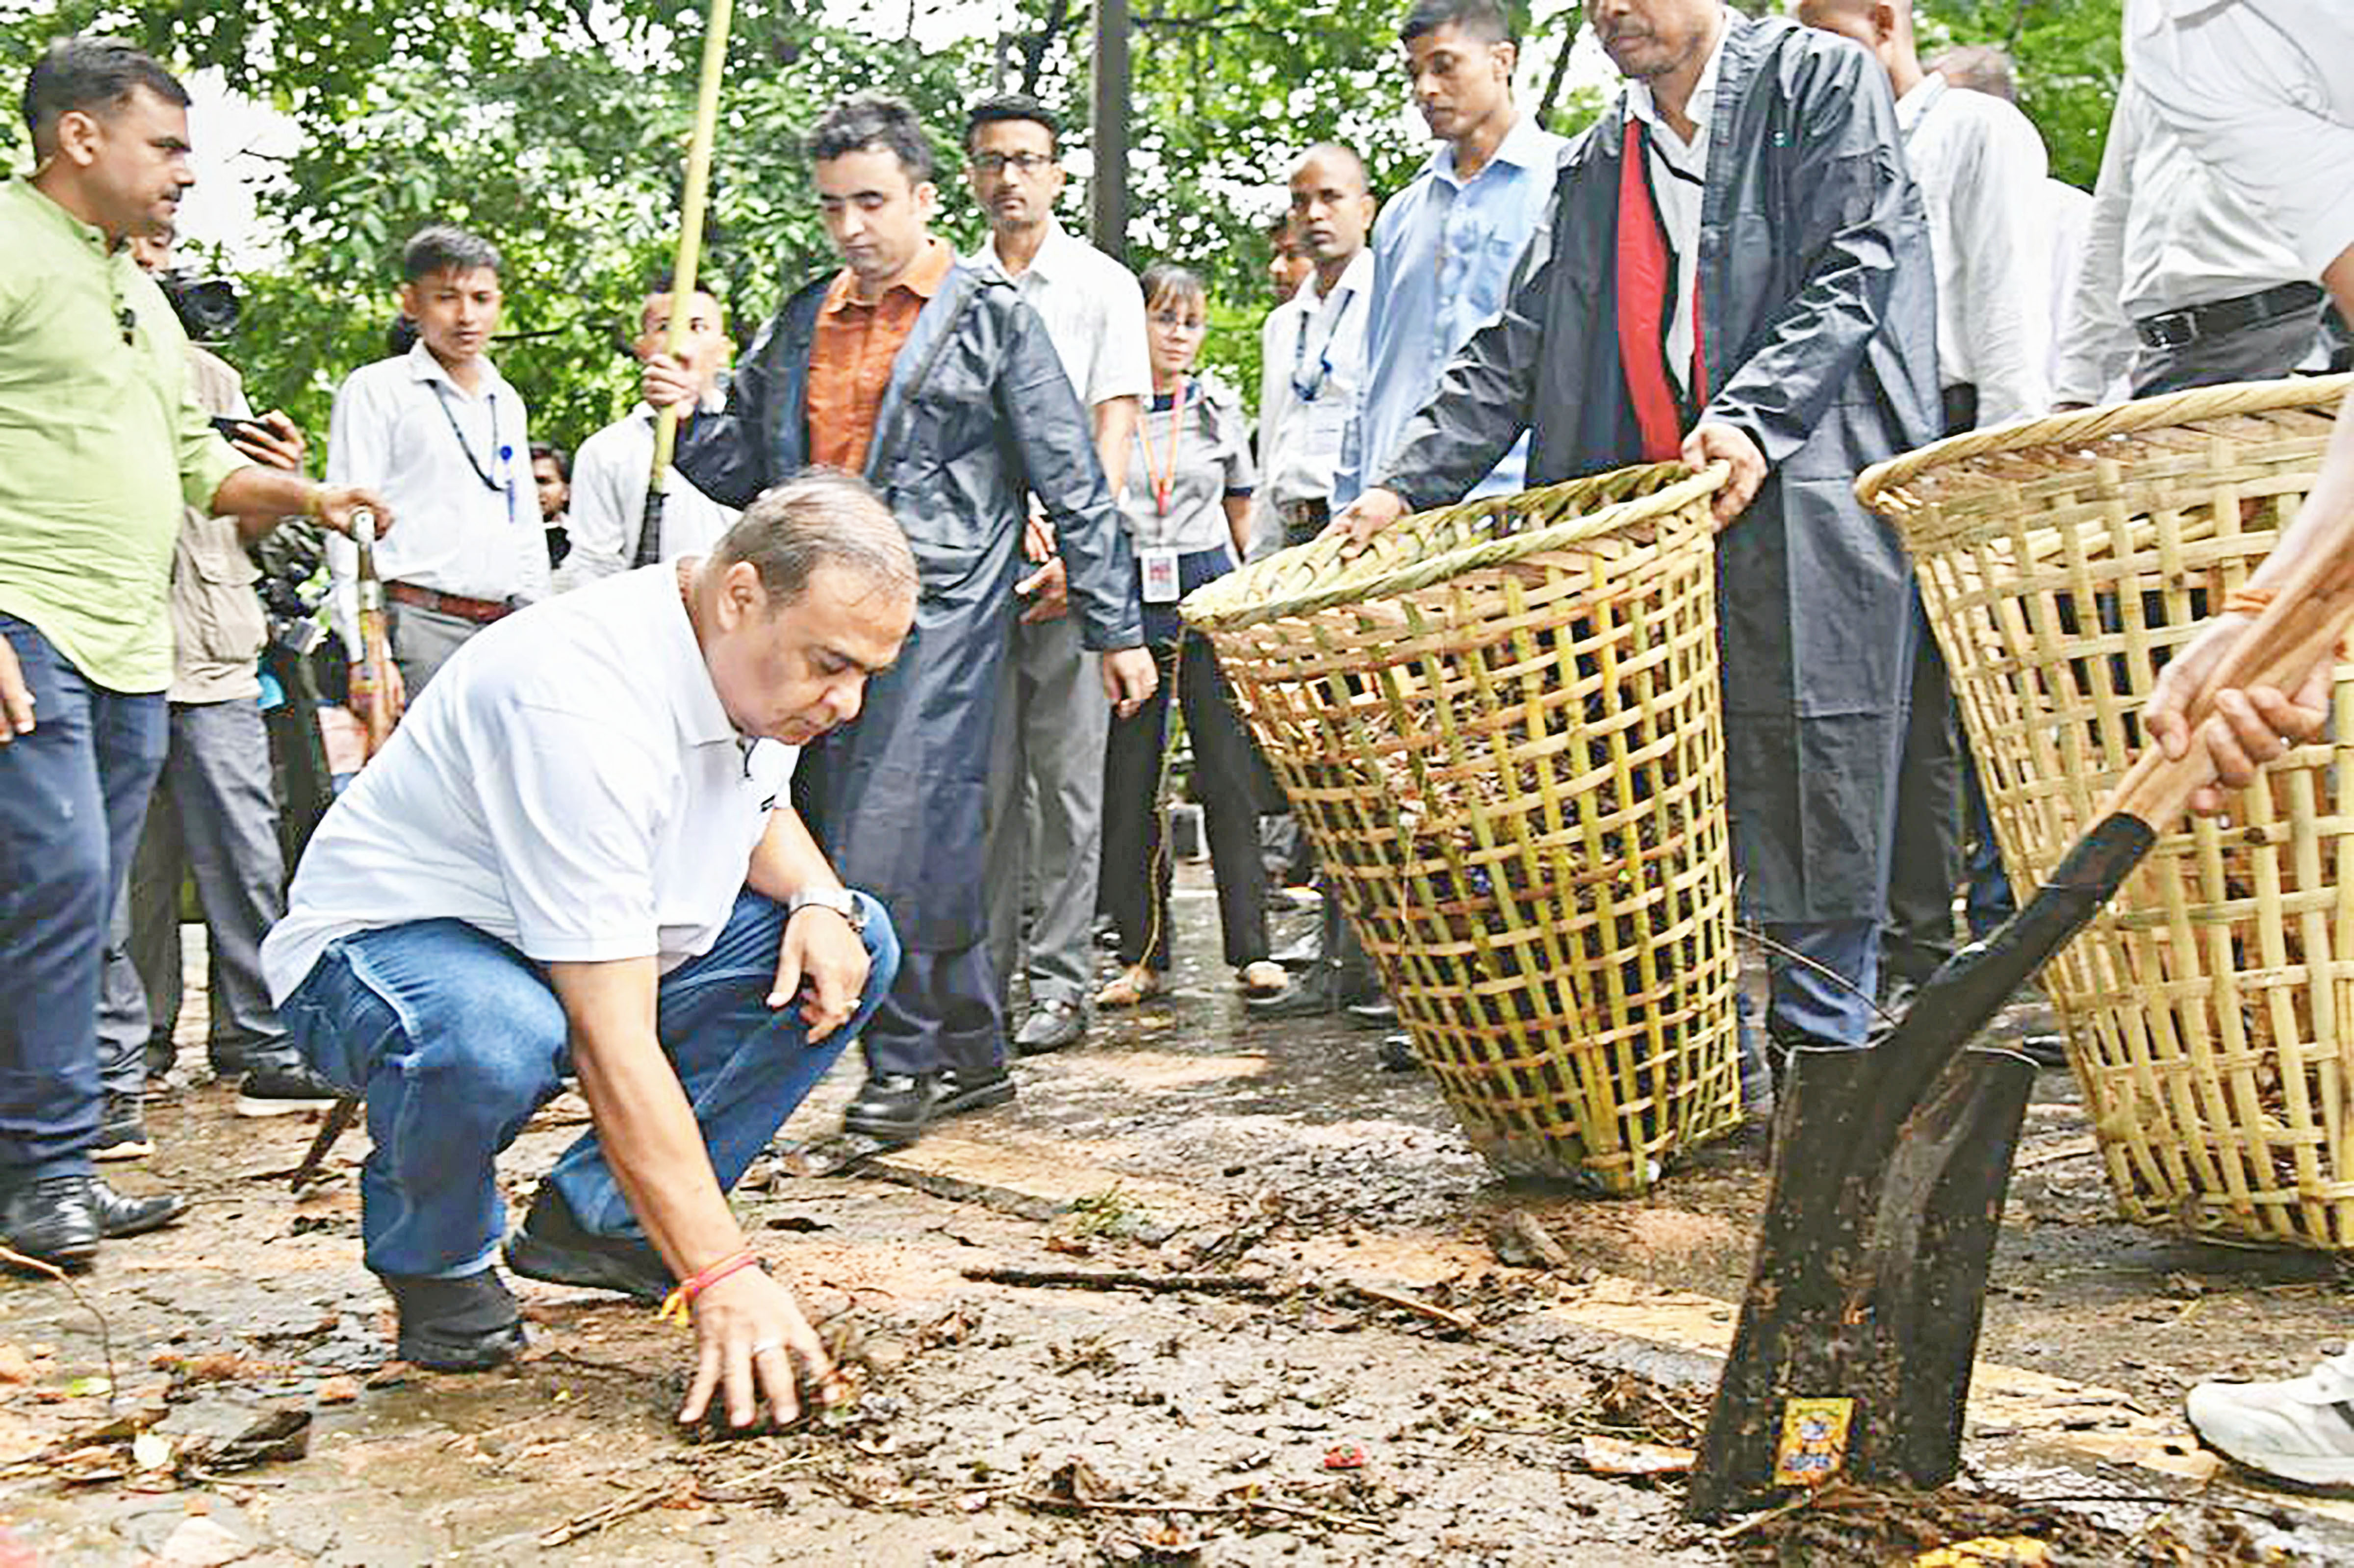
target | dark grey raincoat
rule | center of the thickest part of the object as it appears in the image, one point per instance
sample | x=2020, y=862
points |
x=979, y=415
x=1818, y=325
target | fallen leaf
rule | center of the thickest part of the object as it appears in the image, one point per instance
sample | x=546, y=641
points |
x=83, y=1387
x=16, y=1366
x=199, y=1542
x=1987, y=1549
x=151, y=1451
x=1345, y=1457
x=1618, y=1457
x=337, y=1390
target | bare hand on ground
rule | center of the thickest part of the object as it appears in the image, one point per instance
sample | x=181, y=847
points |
x=1727, y=444
x=748, y=1337
x=823, y=962
x=1129, y=679
x=1049, y=591
x=665, y=382
x=2246, y=729
x=274, y=440
x=15, y=696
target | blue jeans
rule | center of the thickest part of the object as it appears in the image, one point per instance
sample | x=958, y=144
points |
x=73, y=795
x=456, y=1039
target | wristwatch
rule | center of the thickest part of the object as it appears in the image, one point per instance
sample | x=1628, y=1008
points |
x=841, y=900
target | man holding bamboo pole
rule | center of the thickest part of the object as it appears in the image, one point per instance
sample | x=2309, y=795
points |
x=940, y=385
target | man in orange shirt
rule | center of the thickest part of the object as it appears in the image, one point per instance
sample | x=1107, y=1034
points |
x=936, y=383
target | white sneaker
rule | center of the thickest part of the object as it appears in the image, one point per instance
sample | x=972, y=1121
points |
x=2301, y=1431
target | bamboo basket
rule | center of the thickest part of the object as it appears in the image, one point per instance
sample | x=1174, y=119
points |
x=1500, y=727
x=2210, y=1010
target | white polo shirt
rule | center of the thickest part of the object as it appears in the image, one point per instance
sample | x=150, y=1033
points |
x=454, y=466
x=569, y=784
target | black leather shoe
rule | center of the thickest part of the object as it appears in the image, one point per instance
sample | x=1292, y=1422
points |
x=958, y=1094
x=2045, y=1050
x=1396, y=1055
x=52, y=1219
x=1314, y=995
x=467, y=1324
x=1053, y=1024
x=553, y=1245
x=123, y=1130
x=895, y=1107
x=119, y=1216
x=283, y=1088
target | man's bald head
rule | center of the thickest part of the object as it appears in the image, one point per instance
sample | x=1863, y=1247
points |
x=1332, y=160
x=1884, y=27
x=1332, y=208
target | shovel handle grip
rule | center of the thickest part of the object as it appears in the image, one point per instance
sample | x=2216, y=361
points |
x=2311, y=611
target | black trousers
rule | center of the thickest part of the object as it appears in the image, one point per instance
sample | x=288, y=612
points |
x=1926, y=862
x=1136, y=870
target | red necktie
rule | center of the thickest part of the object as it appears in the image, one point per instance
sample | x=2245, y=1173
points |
x=1646, y=268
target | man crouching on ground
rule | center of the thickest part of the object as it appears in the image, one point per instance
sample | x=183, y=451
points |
x=578, y=853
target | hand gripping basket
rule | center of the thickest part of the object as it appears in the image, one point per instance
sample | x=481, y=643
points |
x=2210, y=1010
x=1500, y=727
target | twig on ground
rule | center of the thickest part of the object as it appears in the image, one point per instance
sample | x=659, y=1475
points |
x=2054, y=1156
x=1758, y=1521
x=736, y=1485
x=613, y=1512
x=16, y=1259
x=1219, y=1509
x=1118, y=1279
x=1459, y=1321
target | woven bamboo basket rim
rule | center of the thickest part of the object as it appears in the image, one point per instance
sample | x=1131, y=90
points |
x=1881, y=486
x=1300, y=580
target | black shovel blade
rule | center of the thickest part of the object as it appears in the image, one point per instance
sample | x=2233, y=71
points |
x=1890, y=1169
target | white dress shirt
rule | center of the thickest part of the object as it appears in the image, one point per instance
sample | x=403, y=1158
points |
x=608, y=502
x=569, y=784
x=1981, y=167
x=1679, y=171
x=454, y=466
x=1094, y=313
x=1274, y=336
x=2165, y=235
x=2263, y=92
x=1314, y=365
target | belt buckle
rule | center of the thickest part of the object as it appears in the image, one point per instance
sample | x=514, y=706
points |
x=2176, y=329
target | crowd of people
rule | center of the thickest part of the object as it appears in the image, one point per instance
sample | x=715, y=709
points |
x=858, y=734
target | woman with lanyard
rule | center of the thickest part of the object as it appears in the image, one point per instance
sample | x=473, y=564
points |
x=1187, y=506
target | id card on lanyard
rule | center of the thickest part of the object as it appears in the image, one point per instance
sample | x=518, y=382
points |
x=1157, y=570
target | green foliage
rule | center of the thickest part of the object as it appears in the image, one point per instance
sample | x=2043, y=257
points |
x=2068, y=61
x=558, y=128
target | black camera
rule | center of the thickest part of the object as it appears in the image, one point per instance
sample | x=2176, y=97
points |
x=207, y=307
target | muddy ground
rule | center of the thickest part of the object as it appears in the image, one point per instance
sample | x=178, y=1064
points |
x=1380, y=1371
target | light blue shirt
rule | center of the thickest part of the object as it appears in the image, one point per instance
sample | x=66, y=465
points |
x=1444, y=250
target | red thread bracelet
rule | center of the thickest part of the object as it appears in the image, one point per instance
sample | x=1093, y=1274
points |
x=676, y=1305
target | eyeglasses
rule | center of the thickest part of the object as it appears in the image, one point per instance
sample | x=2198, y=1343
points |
x=1176, y=323
x=1024, y=164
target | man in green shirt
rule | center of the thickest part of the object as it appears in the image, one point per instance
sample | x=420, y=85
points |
x=102, y=440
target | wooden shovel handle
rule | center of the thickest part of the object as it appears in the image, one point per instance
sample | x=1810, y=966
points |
x=2302, y=626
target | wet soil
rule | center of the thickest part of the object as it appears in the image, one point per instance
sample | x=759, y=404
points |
x=1401, y=1380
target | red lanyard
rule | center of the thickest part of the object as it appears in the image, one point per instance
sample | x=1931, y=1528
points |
x=1162, y=478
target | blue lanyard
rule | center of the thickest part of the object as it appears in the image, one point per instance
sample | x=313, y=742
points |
x=1306, y=392
x=503, y=456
